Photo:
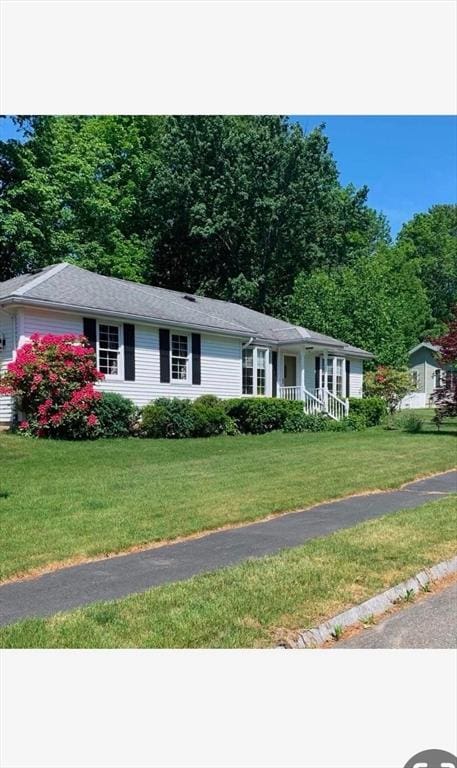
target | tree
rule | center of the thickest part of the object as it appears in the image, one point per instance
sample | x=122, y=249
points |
x=241, y=205
x=390, y=384
x=231, y=206
x=432, y=239
x=445, y=396
x=376, y=302
x=75, y=189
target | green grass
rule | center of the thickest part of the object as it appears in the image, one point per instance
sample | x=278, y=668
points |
x=258, y=603
x=62, y=501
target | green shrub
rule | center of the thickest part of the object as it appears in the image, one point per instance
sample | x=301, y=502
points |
x=306, y=422
x=410, y=422
x=355, y=422
x=337, y=426
x=296, y=422
x=168, y=417
x=116, y=415
x=257, y=415
x=210, y=418
x=208, y=400
x=373, y=408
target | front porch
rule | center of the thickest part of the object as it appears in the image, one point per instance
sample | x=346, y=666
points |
x=319, y=378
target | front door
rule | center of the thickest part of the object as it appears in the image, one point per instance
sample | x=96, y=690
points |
x=290, y=371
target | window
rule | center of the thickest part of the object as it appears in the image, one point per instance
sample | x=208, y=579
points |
x=108, y=349
x=339, y=376
x=415, y=378
x=254, y=371
x=330, y=360
x=179, y=357
x=334, y=374
x=248, y=371
x=261, y=371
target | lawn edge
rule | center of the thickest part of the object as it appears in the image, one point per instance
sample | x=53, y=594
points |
x=68, y=563
x=376, y=606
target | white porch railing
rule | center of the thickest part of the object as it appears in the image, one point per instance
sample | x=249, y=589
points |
x=335, y=406
x=311, y=403
x=322, y=401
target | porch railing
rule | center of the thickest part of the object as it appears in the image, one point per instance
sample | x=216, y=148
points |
x=335, y=406
x=311, y=403
x=322, y=401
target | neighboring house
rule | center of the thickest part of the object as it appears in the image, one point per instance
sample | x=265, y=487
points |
x=427, y=373
x=152, y=342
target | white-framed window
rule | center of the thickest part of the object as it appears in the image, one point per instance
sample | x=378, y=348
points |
x=109, y=349
x=248, y=371
x=261, y=371
x=179, y=351
x=335, y=374
x=254, y=371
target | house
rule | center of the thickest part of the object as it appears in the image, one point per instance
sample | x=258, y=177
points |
x=152, y=342
x=427, y=373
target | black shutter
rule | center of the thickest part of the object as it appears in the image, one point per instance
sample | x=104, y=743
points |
x=90, y=331
x=317, y=370
x=164, y=343
x=129, y=352
x=196, y=359
x=348, y=377
x=274, y=373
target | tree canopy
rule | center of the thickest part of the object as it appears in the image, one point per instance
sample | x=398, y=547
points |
x=432, y=238
x=245, y=208
x=377, y=302
x=232, y=207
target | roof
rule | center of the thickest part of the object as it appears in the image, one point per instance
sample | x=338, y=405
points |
x=424, y=345
x=66, y=286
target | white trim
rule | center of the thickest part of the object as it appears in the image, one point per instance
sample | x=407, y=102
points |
x=158, y=322
x=425, y=345
x=289, y=354
x=268, y=384
x=188, y=379
x=265, y=350
x=40, y=278
x=120, y=375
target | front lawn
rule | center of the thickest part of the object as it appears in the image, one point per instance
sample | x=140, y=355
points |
x=256, y=604
x=63, y=501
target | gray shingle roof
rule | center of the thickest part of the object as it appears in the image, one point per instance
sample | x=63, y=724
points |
x=68, y=285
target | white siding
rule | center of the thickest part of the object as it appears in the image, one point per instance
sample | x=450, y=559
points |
x=356, y=378
x=38, y=321
x=7, y=325
x=310, y=369
x=220, y=360
x=220, y=370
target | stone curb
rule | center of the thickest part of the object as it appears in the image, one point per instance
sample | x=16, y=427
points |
x=312, y=638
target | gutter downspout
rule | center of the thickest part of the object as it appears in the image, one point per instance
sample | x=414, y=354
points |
x=248, y=343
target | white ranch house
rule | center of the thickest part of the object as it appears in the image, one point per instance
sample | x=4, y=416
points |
x=152, y=342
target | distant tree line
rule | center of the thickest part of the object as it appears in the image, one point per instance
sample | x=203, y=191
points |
x=244, y=208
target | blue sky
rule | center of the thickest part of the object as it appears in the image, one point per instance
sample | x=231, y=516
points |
x=409, y=163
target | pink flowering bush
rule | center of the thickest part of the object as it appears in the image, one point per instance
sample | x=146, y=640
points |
x=52, y=382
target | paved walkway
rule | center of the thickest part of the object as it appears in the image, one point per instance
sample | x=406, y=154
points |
x=432, y=623
x=126, y=574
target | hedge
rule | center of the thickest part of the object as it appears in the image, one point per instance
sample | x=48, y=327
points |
x=208, y=415
x=257, y=415
x=373, y=408
x=116, y=415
